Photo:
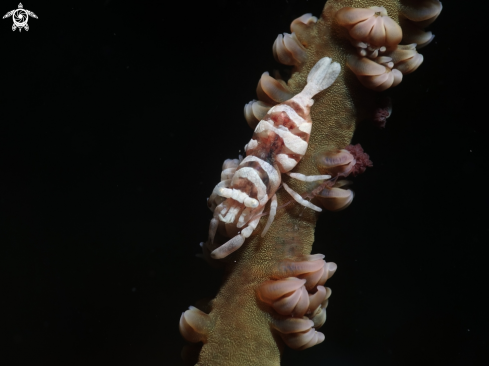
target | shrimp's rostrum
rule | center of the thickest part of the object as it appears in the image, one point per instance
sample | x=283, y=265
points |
x=279, y=142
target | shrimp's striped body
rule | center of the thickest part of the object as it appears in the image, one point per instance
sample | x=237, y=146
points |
x=279, y=142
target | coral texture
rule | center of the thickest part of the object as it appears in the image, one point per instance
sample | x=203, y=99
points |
x=274, y=294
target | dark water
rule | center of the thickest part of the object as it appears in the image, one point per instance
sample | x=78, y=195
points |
x=116, y=117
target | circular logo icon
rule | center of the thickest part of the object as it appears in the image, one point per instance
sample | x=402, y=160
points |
x=20, y=17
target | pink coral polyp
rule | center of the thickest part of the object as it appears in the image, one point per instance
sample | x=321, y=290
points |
x=370, y=25
x=362, y=159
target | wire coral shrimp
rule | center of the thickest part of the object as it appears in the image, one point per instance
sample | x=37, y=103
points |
x=279, y=141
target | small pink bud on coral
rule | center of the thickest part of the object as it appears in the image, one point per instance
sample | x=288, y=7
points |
x=362, y=159
x=382, y=111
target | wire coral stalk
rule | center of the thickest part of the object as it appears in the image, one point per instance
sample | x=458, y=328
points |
x=236, y=327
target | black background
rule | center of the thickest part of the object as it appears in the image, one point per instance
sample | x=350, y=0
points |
x=115, y=119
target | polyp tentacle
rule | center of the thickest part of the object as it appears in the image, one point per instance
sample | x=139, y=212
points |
x=194, y=325
x=414, y=17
